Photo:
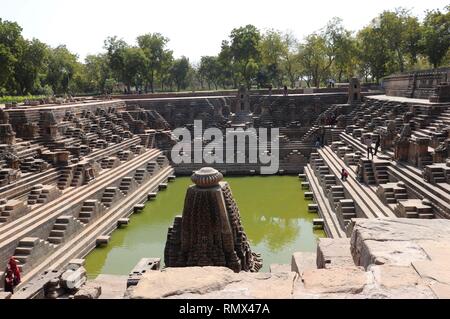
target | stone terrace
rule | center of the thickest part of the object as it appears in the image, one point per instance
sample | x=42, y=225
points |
x=407, y=179
x=69, y=175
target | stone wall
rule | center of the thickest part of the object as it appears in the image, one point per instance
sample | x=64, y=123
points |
x=283, y=109
x=420, y=84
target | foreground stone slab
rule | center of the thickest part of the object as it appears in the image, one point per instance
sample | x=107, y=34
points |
x=348, y=280
x=213, y=283
x=436, y=274
x=397, y=241
x=398, y=282
x=441, y=291
x=334, y=253
x=90, y=290
x=5, y=295
x=278, y=268
x=113, y=287
x=302, y=261
x=177, y=281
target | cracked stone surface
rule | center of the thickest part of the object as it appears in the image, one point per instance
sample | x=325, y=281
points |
x=348, y=280
x=398, y=282
x=390, y=258
x=397, y=241
x=333, y=253
x=213, y=283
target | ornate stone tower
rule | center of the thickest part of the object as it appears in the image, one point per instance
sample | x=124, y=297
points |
x=354, y=91
x=210, y=232
x=7, y=135
x=242, y=101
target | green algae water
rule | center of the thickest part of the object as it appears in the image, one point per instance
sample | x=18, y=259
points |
x=273, y=211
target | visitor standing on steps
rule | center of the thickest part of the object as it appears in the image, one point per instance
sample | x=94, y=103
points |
x=9, y=280
x=322, y=136
x=318, y=144
x=12, y=264
x=344, y=175
x=377, y=145
x=286, y=93
x=369, y=147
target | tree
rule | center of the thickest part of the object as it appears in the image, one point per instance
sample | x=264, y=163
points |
x=62, y=67
x=273, y=50
x=30, y=67
x=436, y=36
x=10, y=44
x=97, y=73
x=164, y=75
x=116, y=56
x=135, y=70
x=153, y=46
x=314, y=59
x=401, y=33
x=228, y=68
x=341, y=49
x=180, y=72
x=373, y=51
x=291, y=59
x=245, y=50
x=210, y=70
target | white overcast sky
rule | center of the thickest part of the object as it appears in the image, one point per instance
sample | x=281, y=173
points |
x=194, y=27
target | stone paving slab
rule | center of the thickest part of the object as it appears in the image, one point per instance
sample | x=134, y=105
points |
x=332, y=253
x=350, y=280
x=302, y=261
x=113, y=286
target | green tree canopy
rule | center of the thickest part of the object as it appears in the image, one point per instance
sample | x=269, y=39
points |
x=436, y=36
x=153, y=46
x=245, y=50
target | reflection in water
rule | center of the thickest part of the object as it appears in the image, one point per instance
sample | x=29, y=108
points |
x=273, y=211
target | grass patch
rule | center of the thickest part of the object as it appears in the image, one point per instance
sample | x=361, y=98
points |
x=19, y=99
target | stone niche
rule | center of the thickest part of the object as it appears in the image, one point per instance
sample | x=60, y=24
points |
x=210, y=232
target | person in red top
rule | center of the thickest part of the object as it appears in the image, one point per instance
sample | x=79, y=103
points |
x=344, y=175
x=15, y=270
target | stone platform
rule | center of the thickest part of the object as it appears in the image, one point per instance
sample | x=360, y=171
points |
x=385, y=258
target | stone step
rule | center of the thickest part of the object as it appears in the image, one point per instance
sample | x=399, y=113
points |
x=348, y=215
x=22, y=259
x=55, y=240
x=57, y=233
x=28, y=242
x=85, y=214
x=309, y=195
x=400, y=196
x=64, y=220
x=84, y=220
x=23, y=250
x=348, y=210
x=412, y=215
x=88, y=208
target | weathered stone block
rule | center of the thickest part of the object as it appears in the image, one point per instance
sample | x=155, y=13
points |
x=349, y=280
x=333, y=253
x=89, y=291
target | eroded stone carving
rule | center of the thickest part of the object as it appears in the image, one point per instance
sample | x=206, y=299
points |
x=210, y=232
